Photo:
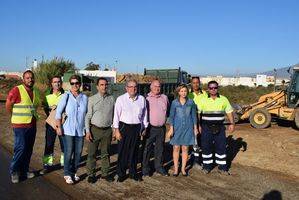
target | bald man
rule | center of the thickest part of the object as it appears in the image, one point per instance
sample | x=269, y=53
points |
x=157, y=104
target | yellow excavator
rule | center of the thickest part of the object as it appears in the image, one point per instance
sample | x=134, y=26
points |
x=283, y=104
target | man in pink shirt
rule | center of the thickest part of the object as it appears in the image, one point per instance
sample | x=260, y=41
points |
x=157, y=106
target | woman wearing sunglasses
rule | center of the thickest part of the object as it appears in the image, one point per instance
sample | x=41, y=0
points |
x=74, y=104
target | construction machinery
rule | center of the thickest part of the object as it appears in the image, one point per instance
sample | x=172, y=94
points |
x=283, y=104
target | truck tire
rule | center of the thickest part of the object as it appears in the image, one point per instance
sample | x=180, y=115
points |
x=297, y=118
x=260, y=118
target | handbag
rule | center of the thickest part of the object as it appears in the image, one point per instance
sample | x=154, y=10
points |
x=51, y=118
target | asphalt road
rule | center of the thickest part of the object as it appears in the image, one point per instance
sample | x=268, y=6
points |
x=36, y=188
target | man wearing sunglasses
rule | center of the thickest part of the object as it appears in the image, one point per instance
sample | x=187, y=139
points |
x=213, y=109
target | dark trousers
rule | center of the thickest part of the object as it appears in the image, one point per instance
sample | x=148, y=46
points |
x=23, y=146
x=72, y=153
x=128, y=148
x=102, y=138
x=154, y=135
x=196, y=151
x=50, y=141
x=211, y=141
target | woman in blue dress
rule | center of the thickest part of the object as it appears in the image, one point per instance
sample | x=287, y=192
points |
x=183, y=127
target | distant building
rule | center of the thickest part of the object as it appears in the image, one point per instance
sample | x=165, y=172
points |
x=111, y=75
x=260, y=79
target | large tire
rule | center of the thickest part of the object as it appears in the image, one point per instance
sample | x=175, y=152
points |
x=297, y=117
x=260, y=118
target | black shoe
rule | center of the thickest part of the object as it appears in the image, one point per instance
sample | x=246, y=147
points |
x=224, y=172
x=175, y=175
x=121, y=179
x=205, y=171
x=135, y=177
x=185, y=174
x=92, y=179
x=108, y=178
x=145, y=174
x=162, y=172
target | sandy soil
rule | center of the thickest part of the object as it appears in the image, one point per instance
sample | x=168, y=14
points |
x=265, y=164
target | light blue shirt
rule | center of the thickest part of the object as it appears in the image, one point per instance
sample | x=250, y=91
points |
x=75, y=110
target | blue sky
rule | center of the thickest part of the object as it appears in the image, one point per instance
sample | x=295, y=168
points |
x=203, y=37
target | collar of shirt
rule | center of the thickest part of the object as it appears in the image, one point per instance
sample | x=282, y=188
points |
x=133, y=99
x=218, y=95
x=102, y=96
x=153, y=95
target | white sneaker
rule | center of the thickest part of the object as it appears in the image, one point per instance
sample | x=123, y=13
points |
x=15, y=177
x=68, y=180
x=30, y=175
x=76, y=177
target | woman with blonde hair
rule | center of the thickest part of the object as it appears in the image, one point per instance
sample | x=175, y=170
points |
x=183, y=127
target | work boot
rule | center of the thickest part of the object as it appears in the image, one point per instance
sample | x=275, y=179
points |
x=92, y=179
x=44, y=171
x=205, y=171
x=30, y=175
x=15, y=177
x=224, y=172
x=108, y=178
x=62, y=160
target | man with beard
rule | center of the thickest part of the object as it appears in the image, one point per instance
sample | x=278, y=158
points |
x=22, y=102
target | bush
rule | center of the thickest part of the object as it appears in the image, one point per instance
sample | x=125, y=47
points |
x=55, y=67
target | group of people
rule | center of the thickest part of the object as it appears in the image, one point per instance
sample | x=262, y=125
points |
x=100, y=119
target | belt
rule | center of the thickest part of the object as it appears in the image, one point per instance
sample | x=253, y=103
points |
x=129, y=124
x=157, y=126
x=101, y=128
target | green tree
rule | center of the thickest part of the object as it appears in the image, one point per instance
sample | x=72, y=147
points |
x=54, y=67
x=92, y=66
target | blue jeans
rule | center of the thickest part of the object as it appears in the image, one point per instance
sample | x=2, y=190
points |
x=72, y=153
x=23, y=146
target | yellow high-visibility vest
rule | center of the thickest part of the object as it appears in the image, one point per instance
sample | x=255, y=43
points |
x=53, y=99
x=23, y=112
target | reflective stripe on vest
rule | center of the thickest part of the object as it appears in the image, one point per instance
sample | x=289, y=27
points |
x=213, y=116
x=23, y=112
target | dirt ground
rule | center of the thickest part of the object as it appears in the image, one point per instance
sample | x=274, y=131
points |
x=265, y=165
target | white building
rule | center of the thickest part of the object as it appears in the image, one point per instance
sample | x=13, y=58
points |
x=111, y=75
x=260, y=79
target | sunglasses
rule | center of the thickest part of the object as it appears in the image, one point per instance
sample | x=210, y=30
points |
x=75, y=83
x=213, y=88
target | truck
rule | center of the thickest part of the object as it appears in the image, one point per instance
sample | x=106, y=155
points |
x=170, y=79
x=282, y=104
